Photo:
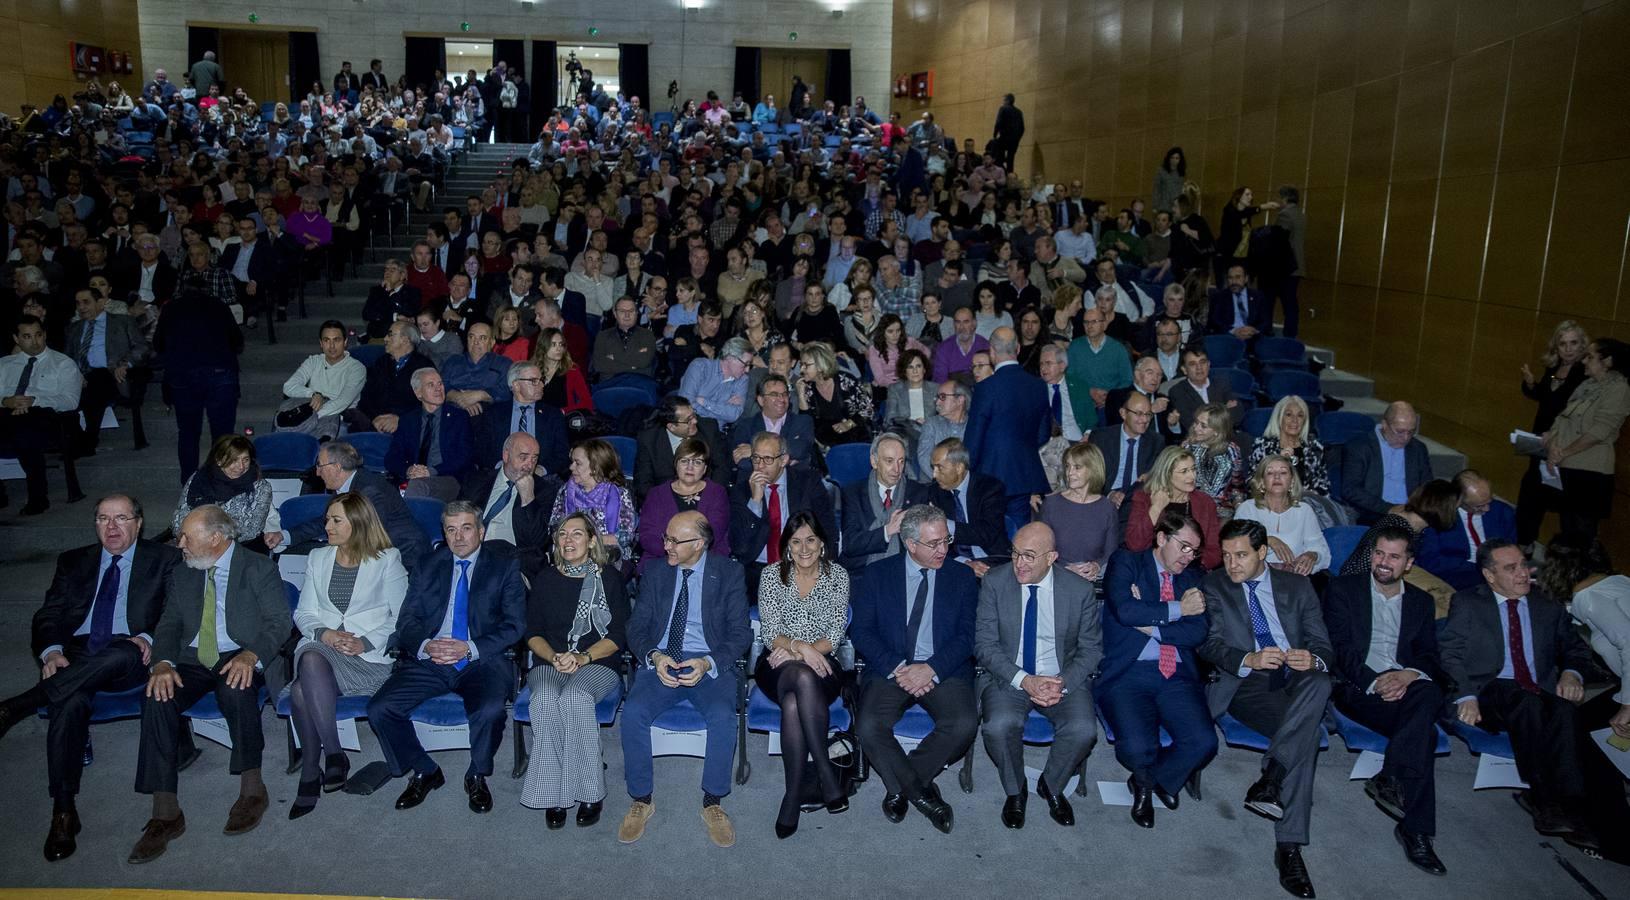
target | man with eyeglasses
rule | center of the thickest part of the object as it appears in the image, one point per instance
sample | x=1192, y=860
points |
x=763, y=501
x=717, y=388
x=522, y=411
x=149, y=275
x=1154, y=619
x=1038, y=634
x=674, y=420
x=950, y=420
x=913, y=624
x=340, y=469
x=872, y=509
x=1129, y=451
x=775, y=415
x=93, y=633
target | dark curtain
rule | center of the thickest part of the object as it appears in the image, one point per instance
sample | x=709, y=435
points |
x=201, y=40
x=424, y=56
x=748, y=61
x=634, y=72
x=512, y=51
x=304, y=67
x=837, y=77
x=545, y=78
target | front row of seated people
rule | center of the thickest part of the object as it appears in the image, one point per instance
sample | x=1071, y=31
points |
x=212, y=617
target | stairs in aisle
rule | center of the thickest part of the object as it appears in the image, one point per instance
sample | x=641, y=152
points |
x=1357, y=394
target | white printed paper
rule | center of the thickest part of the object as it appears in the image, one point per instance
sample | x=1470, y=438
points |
x=1368, y=765
x=1619, y=758
x=1497, y=772
x=1115, y=793
x=213, y=730
x=443, y=737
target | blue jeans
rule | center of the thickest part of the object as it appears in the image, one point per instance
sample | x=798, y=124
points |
x=714, y=698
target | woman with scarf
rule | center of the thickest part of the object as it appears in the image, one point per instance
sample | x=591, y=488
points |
x=231, y=480
x=575, y=616
x=598, y=490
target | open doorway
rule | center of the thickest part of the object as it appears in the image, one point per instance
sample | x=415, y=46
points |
x=464, y=55
x=580, y=64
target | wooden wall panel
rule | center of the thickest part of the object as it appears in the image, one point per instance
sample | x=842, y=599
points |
x=34, y=36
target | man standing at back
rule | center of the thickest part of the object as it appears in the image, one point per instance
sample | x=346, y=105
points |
x=206, y=73
x=1009, y=422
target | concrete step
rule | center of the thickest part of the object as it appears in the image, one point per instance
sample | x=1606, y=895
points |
x=1346, y=385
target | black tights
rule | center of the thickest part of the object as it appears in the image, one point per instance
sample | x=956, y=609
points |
x=312, y=699
x=804, y=722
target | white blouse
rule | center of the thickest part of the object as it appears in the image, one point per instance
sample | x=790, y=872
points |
x=1298, y=527
x=1604, y=607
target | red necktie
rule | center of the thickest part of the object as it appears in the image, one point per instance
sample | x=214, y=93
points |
x=1168, y=653
x=1519, y=662
x=1471, y=528
x=888, y=499
x=772, y=550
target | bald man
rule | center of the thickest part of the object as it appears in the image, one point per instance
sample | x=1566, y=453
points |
x=1038, y=633
x=1451, y=554
x=1381, y=471
x=514, y=498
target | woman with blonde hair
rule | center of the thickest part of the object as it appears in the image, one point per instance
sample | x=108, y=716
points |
x=1295, y=540
x=1172, y=484
x=1085, y=522
x=1564, y=373
x=1064, y=323
x=840, y=404
x=347, y=612
x=576, y=613
x=1218, y=465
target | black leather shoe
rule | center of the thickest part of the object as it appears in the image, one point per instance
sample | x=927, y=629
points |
x=34, y=509
x=934, y=809
x=1388, y=797
x=1418, y=850
x=1013, y=809
x=835, y=807
x=1143, y=804
x=894, y=807
x=1167, y=800
x=1548, y=817
x=782, y=832
x=59, y=841
x=1192, y=787
x=1057, y=806
x=418, y=788
x=336, y=770
x=480, y=796
x=588, y=814
x=1287, y=858
x=305, y=798
x=555, y=817
x=8, y=718
x=1263, y=798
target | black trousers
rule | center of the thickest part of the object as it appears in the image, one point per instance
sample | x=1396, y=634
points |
x=68, y=695
x=956, y=721
x=162, y=727
x=100, y=392
x=27, y=437
x=1544, y=736
x=1410, y=725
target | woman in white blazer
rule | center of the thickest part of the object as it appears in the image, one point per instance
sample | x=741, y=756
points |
x=348, y=608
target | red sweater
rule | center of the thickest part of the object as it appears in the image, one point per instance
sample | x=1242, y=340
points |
x=1140, y=531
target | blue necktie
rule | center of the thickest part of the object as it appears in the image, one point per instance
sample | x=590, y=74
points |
x=499, y=504
x=525, y=419
x=1242, y=310
x=1058, y=407
x=1125, y=481
x=676, y=626
x=461, y=608
x=1259, y=619
x=1030, y=614
x=107, y=598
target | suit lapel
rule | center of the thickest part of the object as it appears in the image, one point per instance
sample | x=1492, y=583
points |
x=1064, y=616
x=1281, y=605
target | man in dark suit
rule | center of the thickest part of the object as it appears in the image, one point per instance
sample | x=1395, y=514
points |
x=1036, y=667
x=1267, y=641
x=1238, y=310
x=107, y=347
x=465, y=607
x=1146, y=379
x=391, y=300
x=1513, y=662
x=774, y=414
x=913, y=624
x=1451, y=554
x=148, y=274
x=94, y=633
x=253, y=266
x=689, y=627
x=1386, y=644
x=1194, y=390
x=225, y=617
x=375, y=77
x=1154, y=623
x=524, y=411
x=387, y=392
x=515, y=498
x=672, y=422
x=976, y=504
x=431, y=448
x=1378, y=473
x=339, y=467
x=1008, y=423
x=761, y=504
x=872, y=509
x=1129, y=450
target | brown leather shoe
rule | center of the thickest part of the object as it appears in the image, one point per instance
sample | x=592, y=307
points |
x=633, y=826
x=245, y=814
x=719, y=829
x=156, y=836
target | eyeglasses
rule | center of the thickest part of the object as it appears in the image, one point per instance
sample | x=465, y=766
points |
x=533, y=380
x=674, y=542
x=1029, y=556
x=1185, y=547
x=116, y=520
x=941, y=544
x=945, y=396
x=692, y=461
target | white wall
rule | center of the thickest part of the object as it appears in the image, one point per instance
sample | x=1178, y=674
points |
x=358, y=30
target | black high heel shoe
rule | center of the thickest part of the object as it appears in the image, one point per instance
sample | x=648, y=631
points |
x=840, y=805
x=785, y=831
x=336, y=771
x=305, y=799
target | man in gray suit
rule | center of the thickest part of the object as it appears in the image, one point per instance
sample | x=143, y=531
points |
x=1380, y=472
x=225, y=617
x=107, y=347
x=1038, y=634
x=873, y=508
x=1267, y=640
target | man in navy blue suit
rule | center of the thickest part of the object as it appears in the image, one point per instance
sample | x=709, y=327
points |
x=1451, y=554
x=689, y=627
x=1238, y=310
x=431, y=448
x=913, y=624
x=466, y=605
x=1154, y=618
x=524, y=410
x=1009, y=422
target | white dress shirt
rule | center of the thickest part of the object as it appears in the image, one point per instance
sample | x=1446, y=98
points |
x=446, y=629
x=502, y=526
x=121, y=607
x=1070, y=427
x=54, y=384
x=1386, y=619
x=223, y=573
x=1046, y=632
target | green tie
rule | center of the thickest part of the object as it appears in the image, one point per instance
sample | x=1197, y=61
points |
x=208, y=653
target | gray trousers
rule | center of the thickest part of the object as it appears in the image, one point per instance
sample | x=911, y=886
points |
x=1075, y=730
x=1292, y=717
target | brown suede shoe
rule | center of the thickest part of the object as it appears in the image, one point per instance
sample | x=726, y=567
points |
x=719, y=829
x=245, y=814
x=633, y=827
x=156, y=837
